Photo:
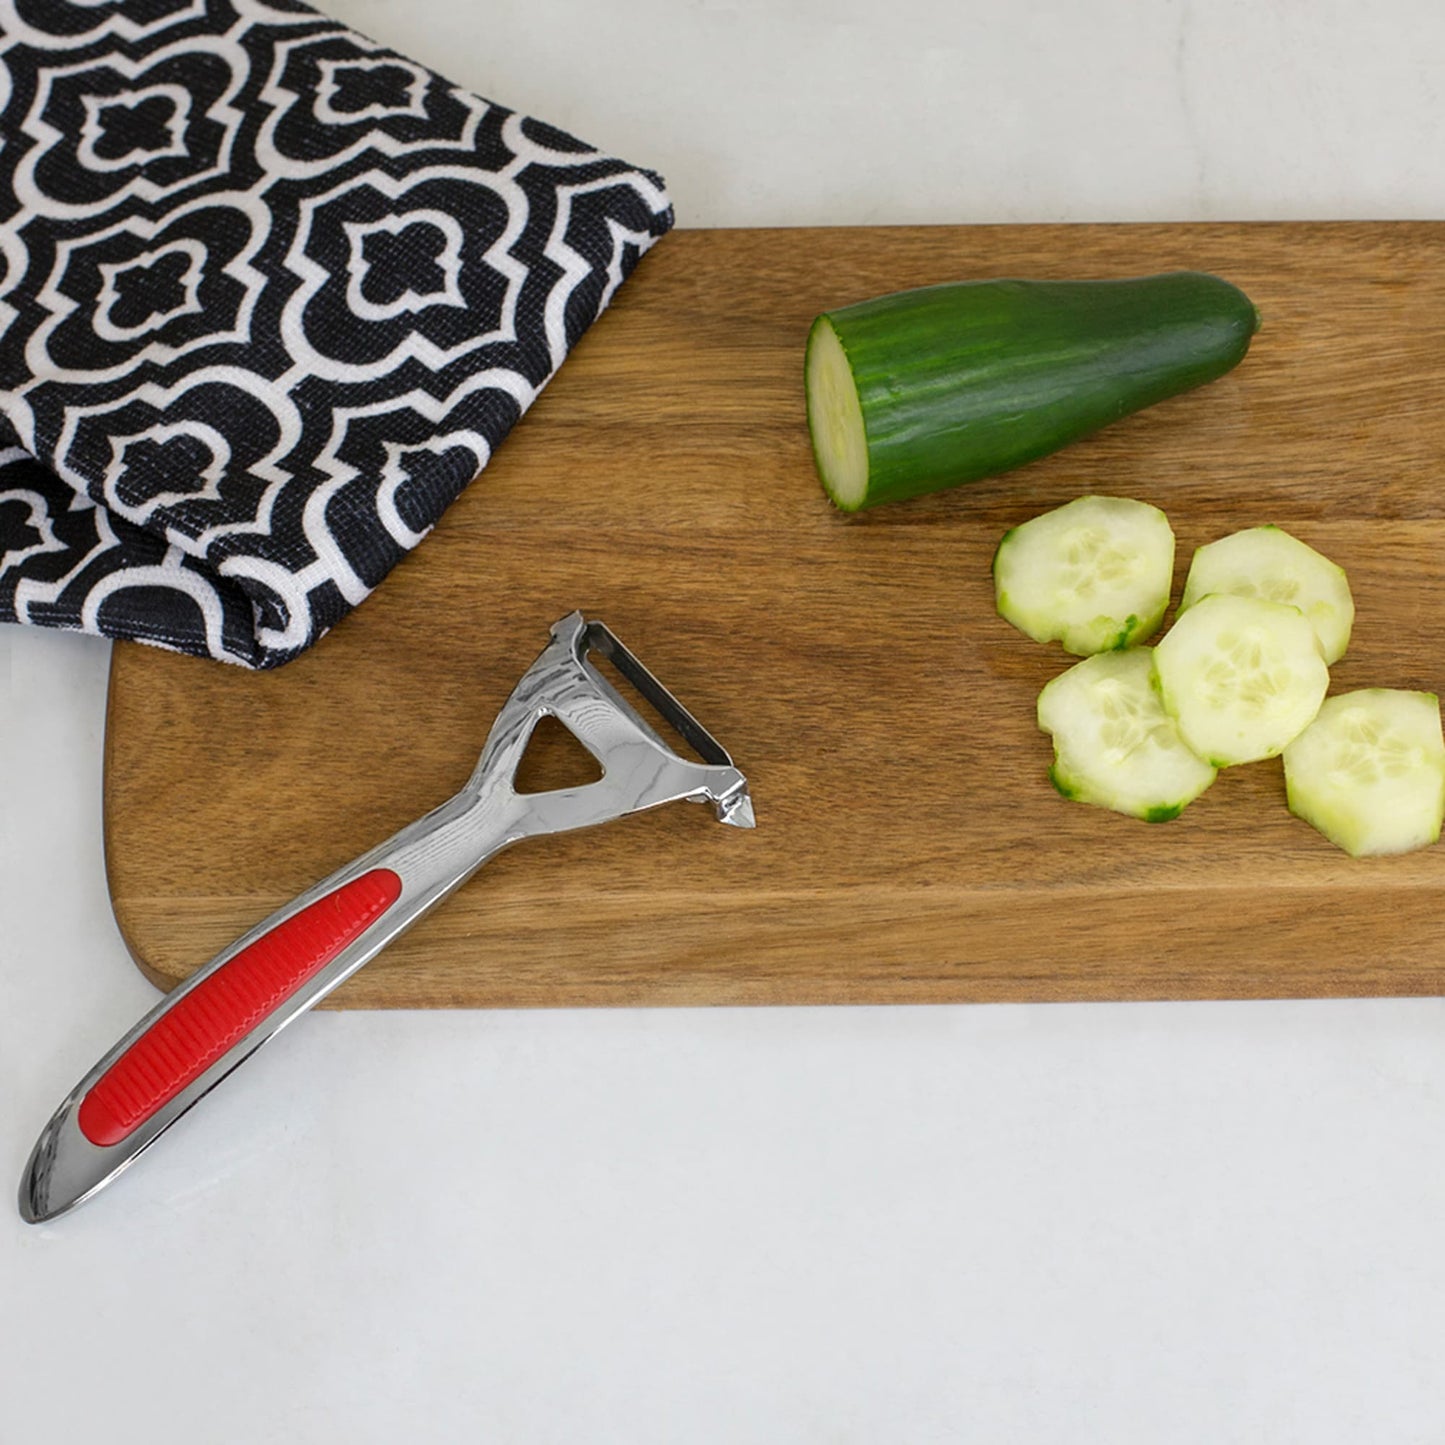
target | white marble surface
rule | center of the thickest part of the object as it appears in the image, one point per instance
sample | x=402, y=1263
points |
x=1107, y=1223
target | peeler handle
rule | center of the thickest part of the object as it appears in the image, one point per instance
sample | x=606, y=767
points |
x=243, y=997
x=189, y=1034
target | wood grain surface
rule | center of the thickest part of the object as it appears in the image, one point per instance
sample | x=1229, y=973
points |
x=909, y=847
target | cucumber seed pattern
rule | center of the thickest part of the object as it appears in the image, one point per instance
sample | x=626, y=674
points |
x=1131, y=720
x=1248, y=671
x=1093, y=574
x=1240, y=676
x=1093, y=562
x=1367, y=750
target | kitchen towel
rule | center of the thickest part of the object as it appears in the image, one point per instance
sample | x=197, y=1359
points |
x=271, y=297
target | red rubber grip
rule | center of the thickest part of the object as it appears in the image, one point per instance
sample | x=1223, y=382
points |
x=187, y=1039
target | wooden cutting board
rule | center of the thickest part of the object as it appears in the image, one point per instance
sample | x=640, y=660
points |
x=909, y=847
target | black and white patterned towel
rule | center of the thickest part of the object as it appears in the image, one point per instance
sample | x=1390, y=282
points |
x=271, y=296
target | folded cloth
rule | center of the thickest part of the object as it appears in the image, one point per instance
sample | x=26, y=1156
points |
x=271, y=297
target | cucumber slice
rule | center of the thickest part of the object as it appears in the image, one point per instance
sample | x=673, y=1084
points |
x=1093, y=574
x=1369, y=771
x=924, y=389
x=1241, y=676
x=1268, y=562
x=1114, y=745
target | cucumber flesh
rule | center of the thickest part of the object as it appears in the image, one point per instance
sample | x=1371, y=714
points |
x=835, y=419
x=1114, y=745
x=924, y=389
x=1268, y=562
x=1241, y=676
x=1369, y=771
x=1093, y=574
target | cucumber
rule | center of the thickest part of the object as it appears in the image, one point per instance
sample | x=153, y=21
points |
x=1241, y=676
x=924, y=389
x=1114, y=745
x=1369, y=771
x=1268, y=562
x=1093, y=574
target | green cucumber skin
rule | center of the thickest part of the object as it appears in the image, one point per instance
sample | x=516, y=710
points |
x=1063, y=788
x=968, y=379
x=1164, y=813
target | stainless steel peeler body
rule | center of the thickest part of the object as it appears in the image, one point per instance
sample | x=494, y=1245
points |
x=251, y=990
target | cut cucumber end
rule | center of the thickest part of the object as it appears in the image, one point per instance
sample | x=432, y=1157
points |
x=835, y=419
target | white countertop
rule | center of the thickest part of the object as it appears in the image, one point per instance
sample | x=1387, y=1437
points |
x=1129, y=1223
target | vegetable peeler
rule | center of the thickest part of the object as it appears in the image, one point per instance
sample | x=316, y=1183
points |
x=251, y=990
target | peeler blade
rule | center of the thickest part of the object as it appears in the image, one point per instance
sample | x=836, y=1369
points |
x=737, y=811
x=727, y=789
